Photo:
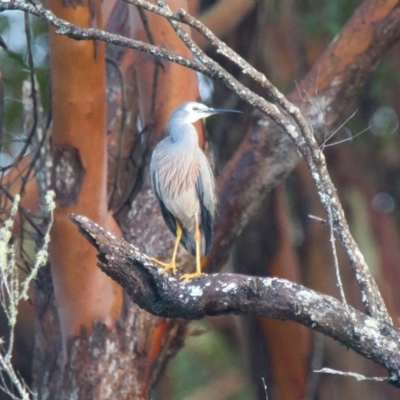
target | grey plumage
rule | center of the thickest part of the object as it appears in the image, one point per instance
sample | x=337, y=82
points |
x=182, y=178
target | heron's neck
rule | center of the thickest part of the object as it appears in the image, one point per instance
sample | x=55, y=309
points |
x=185, y=134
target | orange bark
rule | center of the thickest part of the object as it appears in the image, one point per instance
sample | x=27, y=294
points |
x=215, y=18
x=175, y=84
x=157, y=340
x=355, y=38
x=83, y=293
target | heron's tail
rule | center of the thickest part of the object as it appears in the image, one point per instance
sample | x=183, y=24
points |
x=190, y=244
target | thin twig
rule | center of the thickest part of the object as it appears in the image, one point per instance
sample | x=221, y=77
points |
x=10, y=296
x=318, y=219
x=348, y=139
x=354, y=375
x=265, y=387
x=336, y=264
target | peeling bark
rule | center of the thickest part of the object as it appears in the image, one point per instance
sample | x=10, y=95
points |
x=69, y=175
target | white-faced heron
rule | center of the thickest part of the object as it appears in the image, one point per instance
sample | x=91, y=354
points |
x=183, y=183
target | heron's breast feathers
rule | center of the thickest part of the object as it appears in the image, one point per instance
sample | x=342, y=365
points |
x=177, y=175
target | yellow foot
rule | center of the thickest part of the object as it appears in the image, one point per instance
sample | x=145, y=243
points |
x=186, y=277
x=167, y=266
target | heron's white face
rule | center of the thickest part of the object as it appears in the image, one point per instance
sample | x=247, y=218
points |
x=191, y=112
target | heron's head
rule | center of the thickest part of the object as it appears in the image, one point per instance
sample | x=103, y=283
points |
x=192, y=111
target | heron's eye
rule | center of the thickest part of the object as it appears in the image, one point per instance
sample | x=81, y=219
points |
x=195, y=108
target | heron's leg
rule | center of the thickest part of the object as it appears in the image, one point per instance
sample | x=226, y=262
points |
x=197, y=239
x=172, y=264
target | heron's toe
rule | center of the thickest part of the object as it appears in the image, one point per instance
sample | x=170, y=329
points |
x=187, y=277
x=167, y=266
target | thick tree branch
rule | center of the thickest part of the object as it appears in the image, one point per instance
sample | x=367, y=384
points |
x=165, y=295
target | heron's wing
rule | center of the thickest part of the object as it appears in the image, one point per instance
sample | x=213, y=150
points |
x=168, y=217
x=205, y=193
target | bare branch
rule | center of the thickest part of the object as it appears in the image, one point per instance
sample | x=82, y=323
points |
x=165, y=295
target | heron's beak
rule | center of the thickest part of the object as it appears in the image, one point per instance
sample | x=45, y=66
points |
x=211, y=111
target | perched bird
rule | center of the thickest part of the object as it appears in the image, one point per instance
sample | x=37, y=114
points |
x=183, y=183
